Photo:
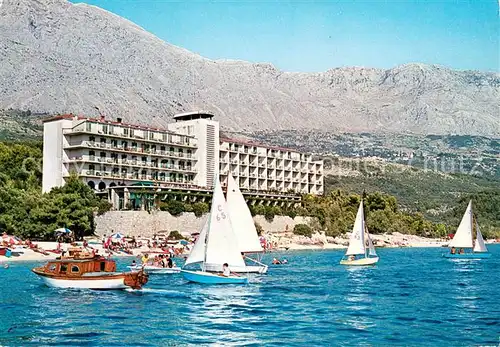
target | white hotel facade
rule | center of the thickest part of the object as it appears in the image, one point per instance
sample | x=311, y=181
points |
x=187, y=154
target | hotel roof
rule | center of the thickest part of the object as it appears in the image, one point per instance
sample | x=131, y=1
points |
x=257, y=144
x=103, y=120
x=193, y=115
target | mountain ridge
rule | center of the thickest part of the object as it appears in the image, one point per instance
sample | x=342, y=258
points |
x=63, y=57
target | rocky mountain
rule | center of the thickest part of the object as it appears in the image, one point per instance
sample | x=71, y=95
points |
x=58, y=57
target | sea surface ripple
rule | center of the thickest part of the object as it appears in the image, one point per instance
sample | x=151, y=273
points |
x=412, y=297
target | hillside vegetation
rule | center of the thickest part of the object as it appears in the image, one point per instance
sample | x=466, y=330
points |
x=26, y=212
x=440, y=197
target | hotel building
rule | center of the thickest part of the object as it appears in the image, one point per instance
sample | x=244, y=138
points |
x=187, y=154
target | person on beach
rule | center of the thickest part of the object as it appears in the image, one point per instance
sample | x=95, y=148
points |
x=170, y=263
x=133, y=263
x=145, y=258
x=453, y=250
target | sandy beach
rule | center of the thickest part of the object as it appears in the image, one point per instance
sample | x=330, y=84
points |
x=277, y=241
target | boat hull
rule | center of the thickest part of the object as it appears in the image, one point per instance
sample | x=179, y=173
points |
x=211, y=278
x=467, y=255
x=154, y=270
x=238, y=269
x=96, y=280
x=360, y=262
x=104, y=284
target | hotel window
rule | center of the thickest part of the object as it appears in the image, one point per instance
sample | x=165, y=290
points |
x=124, y=145
x=155, y=175
x=102, y=155
x=135, y=174
x=125, y=131
x=88, y=126
x=172, y=150
x=131, y=132
x=114, y=143
x=164, y=137
x=91, y=155
x=103, y=140
x=153, y=149
x=143, y=174
x=151, y=135
x=144, y=160
x=134, y=159
x=162, y=149
x=104, y=128
x=189, y=153
x=92, y=139
x=124, y=158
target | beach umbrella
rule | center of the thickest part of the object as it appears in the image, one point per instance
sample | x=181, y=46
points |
x=62, y=231
x=117, y=237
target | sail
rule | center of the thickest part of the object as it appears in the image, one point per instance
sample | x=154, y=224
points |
x=357, y=240
x=371, y=247
x=463, y=236
x=222, y=246
x=241, y=219
x=197, y=254
x=479, y=245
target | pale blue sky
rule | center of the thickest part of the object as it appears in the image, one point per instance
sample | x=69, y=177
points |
x=319, y=35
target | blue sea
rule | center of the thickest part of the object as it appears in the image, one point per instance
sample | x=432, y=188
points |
x=412, y=297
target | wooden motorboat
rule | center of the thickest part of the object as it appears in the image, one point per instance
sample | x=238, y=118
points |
x=89, y=272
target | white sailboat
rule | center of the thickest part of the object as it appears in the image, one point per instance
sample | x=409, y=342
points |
x=358, y=252
x=463, y=246
x=215, y=246
x=244, y=228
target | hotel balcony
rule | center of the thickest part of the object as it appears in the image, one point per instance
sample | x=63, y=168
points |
x=191, y=143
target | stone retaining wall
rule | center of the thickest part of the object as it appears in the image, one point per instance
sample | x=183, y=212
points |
x=143, y=223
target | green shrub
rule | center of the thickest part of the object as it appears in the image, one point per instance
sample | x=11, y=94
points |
x=259, y=229
x=174, y=207
x=175, y=235
x=200, y=208
x=269, y=214
x=302, y=229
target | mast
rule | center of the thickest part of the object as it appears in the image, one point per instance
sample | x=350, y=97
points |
x=208, y=226
x=472, y=224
